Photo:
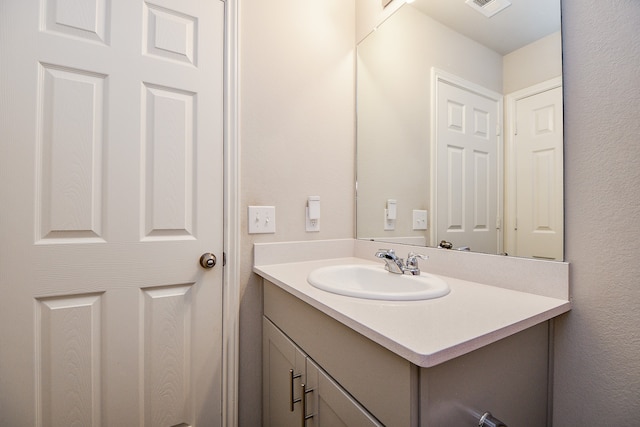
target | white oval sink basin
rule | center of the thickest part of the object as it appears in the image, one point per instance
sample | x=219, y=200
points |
x=374, y=282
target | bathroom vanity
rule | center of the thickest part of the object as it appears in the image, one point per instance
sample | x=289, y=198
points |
x=331, y=360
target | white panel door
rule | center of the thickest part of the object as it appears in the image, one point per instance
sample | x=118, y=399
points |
x=539, y=166
x=111, y=189
x=467, y=186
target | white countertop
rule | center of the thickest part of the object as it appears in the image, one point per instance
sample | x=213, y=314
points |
x=428, y=332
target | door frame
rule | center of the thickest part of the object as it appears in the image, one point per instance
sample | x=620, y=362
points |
x=231, y=234
x=511, y=197
x=441, y=76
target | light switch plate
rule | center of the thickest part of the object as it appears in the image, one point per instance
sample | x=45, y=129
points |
x=419, y=219
x=262, y=219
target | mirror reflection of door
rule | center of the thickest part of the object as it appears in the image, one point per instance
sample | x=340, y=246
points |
x=539, y=181
x=467, y=169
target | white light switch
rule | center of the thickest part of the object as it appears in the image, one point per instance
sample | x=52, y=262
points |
x=419, y=219
x=262, y=219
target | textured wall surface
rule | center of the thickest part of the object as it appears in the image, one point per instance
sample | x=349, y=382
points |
x=597, y=354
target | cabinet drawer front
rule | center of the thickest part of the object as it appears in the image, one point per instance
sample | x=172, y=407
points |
x=380, y=380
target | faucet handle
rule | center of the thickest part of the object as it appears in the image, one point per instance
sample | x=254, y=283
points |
x=412, y=259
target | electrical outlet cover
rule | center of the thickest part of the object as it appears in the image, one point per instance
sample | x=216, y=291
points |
x=389, y=224
x=311, y=224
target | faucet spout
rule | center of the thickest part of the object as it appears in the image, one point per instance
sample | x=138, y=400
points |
x=393, y=263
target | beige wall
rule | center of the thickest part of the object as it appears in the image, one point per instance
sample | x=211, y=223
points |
x=370, y=13
x=296, y=139
x=532, y=64
x=597, y=353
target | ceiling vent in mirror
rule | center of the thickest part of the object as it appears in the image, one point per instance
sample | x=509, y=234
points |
x=488, y=7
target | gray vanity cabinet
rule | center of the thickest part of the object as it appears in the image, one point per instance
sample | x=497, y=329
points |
x=284, y=366
x=508, y=378
x=294, y=384
x=379, y=380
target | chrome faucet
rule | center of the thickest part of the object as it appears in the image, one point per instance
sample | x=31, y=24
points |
x=396, y=265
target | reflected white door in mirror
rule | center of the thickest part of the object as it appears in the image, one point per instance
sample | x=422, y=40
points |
x=535, y=220
x=466, y=184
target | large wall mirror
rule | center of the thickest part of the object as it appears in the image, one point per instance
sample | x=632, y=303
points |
x=459, y=127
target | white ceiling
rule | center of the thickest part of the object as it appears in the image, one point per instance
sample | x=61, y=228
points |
x=524, y=22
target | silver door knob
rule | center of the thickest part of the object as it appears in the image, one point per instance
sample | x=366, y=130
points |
x=208, y=260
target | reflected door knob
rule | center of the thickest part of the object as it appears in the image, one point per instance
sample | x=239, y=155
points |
x=208, y=260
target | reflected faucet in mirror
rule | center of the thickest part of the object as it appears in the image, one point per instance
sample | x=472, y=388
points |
x=474, y=107
x=448, y=245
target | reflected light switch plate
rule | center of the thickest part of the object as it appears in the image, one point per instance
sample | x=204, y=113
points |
x=419, y=219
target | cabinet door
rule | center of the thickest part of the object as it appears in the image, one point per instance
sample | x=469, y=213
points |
x=283, y=375
x=329, y=405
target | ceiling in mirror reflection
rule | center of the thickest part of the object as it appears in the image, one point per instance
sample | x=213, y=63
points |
x=515, y=54
x=520, y=24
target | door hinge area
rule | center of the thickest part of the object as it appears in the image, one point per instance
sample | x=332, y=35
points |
x=224, y=259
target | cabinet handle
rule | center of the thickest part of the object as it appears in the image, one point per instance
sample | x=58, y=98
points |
x=304, y=417
x=292, y=377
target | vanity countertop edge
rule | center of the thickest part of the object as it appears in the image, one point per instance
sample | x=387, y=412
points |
x=426, y=333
